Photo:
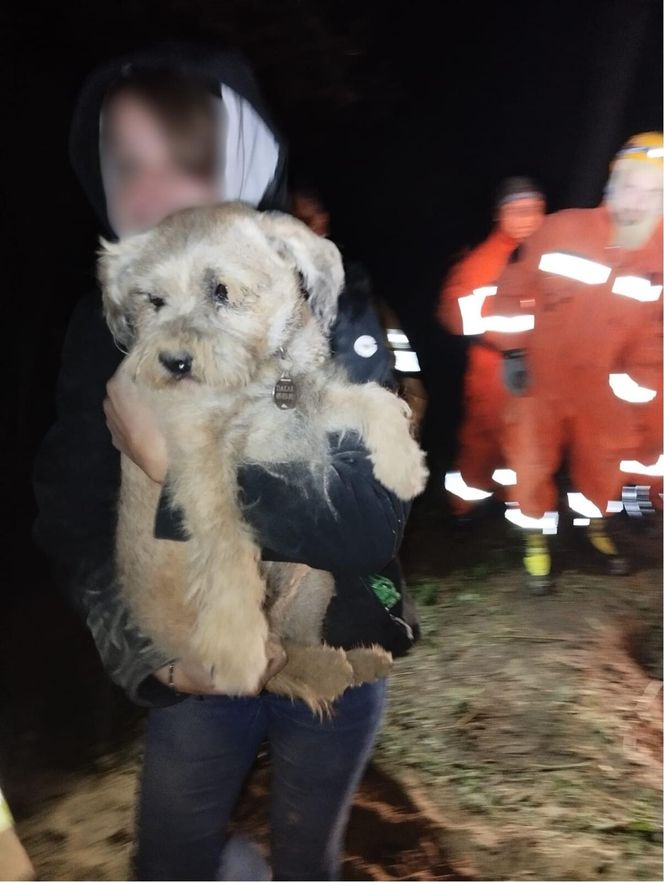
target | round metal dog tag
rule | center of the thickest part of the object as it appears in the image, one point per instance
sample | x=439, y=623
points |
x=285, y=393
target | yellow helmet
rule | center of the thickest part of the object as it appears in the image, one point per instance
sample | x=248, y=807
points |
x=648, y=146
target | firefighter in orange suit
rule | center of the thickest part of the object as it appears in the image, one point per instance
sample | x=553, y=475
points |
x=578, y=319
x=520, y=207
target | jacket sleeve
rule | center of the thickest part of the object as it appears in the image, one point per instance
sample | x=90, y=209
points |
x=76, y=481
x=641, y=355
x=517, y=295
x=457, y=284
x=337, y=518
x=340, y=518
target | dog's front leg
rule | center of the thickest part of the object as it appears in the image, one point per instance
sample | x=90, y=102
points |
x=382, y=419
x=226, y=589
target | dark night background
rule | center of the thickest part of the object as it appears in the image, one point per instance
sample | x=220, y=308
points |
x=406, y=114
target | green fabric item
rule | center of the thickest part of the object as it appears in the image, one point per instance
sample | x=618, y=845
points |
x=385, y=590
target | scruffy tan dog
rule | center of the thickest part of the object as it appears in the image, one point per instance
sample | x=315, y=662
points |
x=233, y=355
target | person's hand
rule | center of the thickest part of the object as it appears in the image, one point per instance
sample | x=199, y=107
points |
x=191, y=678
x=133, y=426
x=515, y=371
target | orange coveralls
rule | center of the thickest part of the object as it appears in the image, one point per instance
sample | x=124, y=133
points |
x=484, y=393
x=582, y=334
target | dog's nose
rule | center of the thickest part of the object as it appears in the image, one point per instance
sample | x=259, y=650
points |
x=178, y=364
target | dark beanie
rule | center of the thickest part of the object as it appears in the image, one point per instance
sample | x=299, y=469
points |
x=517, y=188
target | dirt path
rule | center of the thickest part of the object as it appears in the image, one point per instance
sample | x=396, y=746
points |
x=83, y=828
x=389, y=835
x=523, y=739
x=533, y=725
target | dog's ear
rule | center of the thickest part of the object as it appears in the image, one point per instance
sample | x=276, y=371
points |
x=317, y=260
x=114, y=261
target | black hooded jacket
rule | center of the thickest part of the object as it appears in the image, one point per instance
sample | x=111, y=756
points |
x=77, y=473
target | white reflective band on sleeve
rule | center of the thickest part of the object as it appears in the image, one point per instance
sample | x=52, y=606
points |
x=548, y=524
x=506, y=477
x=406, y=362
x=583, y=506
x=572, y=267
x=397, y=338
x=581, y=522
x=636, y=288
x=614, y=506
x=634, y=467
x=509, y=324
x=455, y=484
x=627, y=389
x=655, y=153
x=470, y=307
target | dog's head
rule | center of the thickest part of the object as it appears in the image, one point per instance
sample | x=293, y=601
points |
x=210, y=294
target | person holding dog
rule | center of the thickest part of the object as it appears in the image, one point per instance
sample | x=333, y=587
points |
x=174, y=127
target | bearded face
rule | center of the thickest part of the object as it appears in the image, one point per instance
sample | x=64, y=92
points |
x=634, y=198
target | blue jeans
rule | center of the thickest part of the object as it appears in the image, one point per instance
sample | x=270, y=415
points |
x=198, y=754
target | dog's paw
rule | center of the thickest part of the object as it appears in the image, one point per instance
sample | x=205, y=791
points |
x=369, y=663
x=399, y=464
x=398, y=461
x=317, y=675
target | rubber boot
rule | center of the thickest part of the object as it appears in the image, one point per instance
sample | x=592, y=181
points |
x=537, y=563
x=616, y=564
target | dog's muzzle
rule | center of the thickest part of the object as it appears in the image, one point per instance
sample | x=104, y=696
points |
x=177, y=364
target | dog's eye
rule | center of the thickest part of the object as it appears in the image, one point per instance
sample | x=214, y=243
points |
x=220, y=293
x=157, y=302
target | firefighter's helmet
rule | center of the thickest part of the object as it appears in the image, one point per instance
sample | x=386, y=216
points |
x=648, y=147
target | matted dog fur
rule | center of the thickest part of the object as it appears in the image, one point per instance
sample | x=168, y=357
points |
x=214, y=307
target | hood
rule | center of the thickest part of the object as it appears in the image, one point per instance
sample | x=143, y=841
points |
x=254, y=152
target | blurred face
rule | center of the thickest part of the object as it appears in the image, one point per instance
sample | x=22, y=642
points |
x=143, y=181
x=635, y=194
x=312, y=213
x=519, y=218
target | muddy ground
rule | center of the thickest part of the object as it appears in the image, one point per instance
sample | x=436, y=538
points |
x=523, y=739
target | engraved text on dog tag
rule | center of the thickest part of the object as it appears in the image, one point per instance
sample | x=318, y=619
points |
x=285, y=393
